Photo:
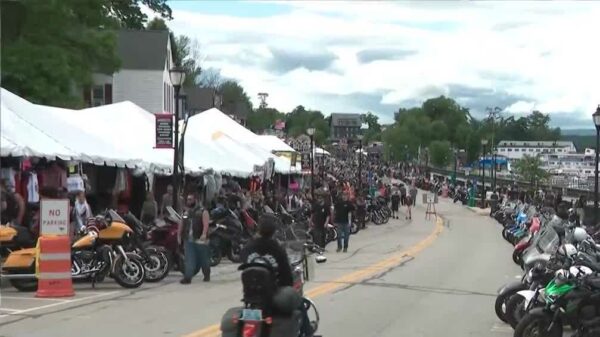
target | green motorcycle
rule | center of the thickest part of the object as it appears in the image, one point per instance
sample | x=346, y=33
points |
x=570, y=298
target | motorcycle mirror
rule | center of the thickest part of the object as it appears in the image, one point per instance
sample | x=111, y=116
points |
x=321, y=258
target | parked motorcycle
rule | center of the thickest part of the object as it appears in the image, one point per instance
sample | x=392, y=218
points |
x=14, y=238
x=97, y=254
x=226, y=236
x=155, y=258
x=163, y=233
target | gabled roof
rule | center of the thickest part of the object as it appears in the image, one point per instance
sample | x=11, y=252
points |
x=142, y=49
x=534, y=143
x=200, y=99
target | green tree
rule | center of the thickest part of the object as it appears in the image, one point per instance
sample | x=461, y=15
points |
x=440, y=152
x=263, y=118
x=157, y=24
x=51, y=47
x=55, y=46
x=186, y=54
x=529, y=169
x=300, y=119
x=129, y=12
x=234, y=94
x=374, y=131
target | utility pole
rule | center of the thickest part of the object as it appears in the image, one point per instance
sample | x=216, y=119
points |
x=263, y=99
x=493, y=114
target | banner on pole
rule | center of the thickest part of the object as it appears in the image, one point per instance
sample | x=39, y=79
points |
x=164, y=131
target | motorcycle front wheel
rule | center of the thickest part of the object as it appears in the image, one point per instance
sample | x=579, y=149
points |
x=157, y=265
x=128, y=273
x=354, y=228
x=216, y=253
x=537, y=325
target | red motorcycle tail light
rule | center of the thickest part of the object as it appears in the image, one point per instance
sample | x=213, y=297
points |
x=250, y=329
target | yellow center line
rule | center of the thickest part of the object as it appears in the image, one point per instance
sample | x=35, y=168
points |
x=354, y=277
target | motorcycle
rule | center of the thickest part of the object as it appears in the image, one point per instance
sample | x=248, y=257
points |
x=14, y=238
x=261, y=296
x=163, y=233
x=155, y=258
x=95, y=255
x=226, y=236
x=571, y=297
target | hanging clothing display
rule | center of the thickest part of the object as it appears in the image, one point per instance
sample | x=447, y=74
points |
x=33, y=189
x=121, y=181
x=8, y=174
x=53, y=177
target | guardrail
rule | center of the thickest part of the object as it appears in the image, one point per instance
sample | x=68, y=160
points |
x=557, y=185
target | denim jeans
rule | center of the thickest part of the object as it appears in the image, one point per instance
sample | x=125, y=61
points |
x=343, y=233
x=197, y=256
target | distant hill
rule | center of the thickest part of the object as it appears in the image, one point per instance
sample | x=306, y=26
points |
x=578, y=132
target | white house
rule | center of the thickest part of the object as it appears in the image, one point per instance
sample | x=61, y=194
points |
x=144, y=74
x=514, y=149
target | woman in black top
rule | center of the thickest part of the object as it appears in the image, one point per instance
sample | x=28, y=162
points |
x=395, y=204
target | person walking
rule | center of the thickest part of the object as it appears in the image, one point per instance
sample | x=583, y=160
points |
x=320, y=218
x=413, y=195
x=149, y=209
x=342, y=217
x=395, y=204
x=409, y=204
x=403, y=194
x=193, y=233
x=167, y=200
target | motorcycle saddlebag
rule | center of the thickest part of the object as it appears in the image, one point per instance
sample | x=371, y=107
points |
x=282, y=326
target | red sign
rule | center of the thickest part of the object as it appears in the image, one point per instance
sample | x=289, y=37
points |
x=164, y=131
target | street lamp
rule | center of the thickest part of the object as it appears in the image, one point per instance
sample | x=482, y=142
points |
x=596, y=116
x=455, y=164
x=311, y=134
x=483, y=144
x=177, y=76
x=495, y=168
x=360, y=138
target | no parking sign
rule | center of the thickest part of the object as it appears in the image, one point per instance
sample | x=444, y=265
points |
x=54, y=217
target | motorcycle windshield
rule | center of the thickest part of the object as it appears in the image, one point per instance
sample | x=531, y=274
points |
x=113, y=216
x=548, y=241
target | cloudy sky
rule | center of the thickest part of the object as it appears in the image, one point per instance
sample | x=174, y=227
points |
x=378, y=56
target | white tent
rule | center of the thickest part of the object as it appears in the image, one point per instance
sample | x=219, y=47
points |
x=214, y=126
x=320, y=151
x=273, y=143
x=119, y=134
x=20, y=138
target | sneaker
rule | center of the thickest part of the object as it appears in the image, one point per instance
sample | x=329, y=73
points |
x=206, y=279
x=185, y=281
x=346, y=250
x=338, y=250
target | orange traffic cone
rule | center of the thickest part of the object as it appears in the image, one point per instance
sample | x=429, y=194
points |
x=54, y=267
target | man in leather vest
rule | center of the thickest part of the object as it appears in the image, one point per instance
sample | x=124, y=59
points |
x=193, y=233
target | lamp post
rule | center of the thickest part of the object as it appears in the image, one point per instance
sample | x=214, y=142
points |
x=483, y=144
x=455, y=164
x=177, y=76
x=596, y=116
x=495, y=169
x=311, y=134
x=360, y=138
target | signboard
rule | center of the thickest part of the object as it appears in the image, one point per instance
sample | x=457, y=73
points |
x=164, y=131
x=75, y=183
x=430, y=198
x=54, y=217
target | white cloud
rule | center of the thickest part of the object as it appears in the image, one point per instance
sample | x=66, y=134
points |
x=542, y=55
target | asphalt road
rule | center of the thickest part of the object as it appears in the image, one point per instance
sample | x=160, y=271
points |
x=406, y=278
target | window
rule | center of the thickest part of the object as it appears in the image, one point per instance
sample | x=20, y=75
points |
x=530, y=150
x=97, y=95
x=517, y=150
x=510, y=150
x=538, y=150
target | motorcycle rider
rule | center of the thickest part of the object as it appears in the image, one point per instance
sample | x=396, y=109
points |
x=265, y=247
